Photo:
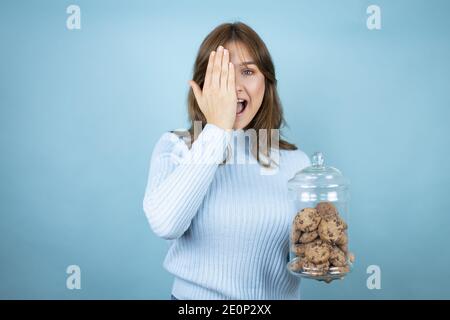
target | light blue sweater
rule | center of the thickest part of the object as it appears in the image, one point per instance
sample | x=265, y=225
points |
x=228, y=224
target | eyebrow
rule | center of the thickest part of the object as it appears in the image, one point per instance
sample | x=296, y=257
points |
x=246, y=63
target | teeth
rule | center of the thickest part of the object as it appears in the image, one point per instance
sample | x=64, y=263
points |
x=240, y=105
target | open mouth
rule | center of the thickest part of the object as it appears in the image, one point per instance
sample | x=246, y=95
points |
x=241, y=105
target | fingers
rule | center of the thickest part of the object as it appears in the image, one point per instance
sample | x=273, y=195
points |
x=218, y=71
x=197, y=91
x=224, y=72
x=209, y=70
x=231, y=83
x=215, y=80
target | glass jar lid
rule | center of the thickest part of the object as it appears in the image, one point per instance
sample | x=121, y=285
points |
x=318, y=176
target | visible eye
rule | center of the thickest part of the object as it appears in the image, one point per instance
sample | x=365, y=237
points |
x=247, y=72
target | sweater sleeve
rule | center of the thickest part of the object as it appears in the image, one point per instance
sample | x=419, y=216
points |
x=179, y=178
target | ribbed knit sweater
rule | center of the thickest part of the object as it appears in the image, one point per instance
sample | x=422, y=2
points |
x=227, y=224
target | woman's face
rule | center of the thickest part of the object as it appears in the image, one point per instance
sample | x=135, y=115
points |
x=250, y=84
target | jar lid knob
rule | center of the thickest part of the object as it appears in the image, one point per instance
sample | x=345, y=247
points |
x=317, y=159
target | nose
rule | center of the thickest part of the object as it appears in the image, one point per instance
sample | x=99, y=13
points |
x=239, y=84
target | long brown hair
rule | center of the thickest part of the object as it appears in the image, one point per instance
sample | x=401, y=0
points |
x=270, y=114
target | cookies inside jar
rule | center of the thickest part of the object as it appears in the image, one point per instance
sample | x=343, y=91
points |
x=319, y=242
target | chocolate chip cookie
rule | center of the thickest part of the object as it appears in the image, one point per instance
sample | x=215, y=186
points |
x=307, y=220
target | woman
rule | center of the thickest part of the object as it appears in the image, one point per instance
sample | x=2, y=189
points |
x=228, y=217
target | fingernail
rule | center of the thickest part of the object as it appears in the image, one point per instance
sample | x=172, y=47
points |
x=220, y=48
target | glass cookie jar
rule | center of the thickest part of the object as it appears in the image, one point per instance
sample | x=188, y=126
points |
x=319, y=233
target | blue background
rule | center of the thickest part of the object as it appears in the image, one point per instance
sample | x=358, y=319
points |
x=82, y=109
